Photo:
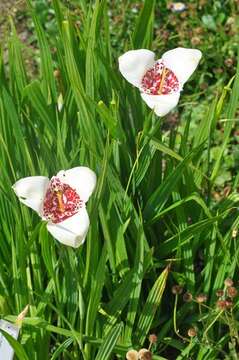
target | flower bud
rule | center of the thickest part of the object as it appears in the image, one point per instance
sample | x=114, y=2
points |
x=234, y=233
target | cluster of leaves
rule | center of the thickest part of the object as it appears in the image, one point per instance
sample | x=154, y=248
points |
x=154, y=218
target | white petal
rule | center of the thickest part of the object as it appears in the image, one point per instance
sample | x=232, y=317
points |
x=31, y=191
x=71, y=232
x=177, y=7
x=80, y=178
x=161, y=104
x=134, y=64
x=182, y=62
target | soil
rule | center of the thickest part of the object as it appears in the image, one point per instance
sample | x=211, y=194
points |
x=9, y=8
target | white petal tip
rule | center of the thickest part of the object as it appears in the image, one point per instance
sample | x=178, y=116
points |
x=31, y=191
x=161, y=104
x=72, y=231
x=134, y=63
x=182, y=61
x=80, y=178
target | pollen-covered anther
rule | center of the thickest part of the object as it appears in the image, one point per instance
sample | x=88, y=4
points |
x=61, y=201
x=159, y=80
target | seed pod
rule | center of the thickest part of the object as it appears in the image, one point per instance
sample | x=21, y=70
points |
x=229, y=304
x=187, y=297
x=192, y=332
x=220, y=293
x=177, y=289
x=201, y=298
x=145, y=354
x=195, y=40
x=232, y=292
x=228, y=282
x=221, y=304
x=57, y=73
x=132, y=355
x=229, y=62
x=153, y=338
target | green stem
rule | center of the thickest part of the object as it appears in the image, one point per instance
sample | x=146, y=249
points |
x=175, y=320
x=210, y=325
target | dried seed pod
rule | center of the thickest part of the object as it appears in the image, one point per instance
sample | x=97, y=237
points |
x=220, y=293
x=187, y=297
x=229, y=62
x=153, y=338
x=232, y=292
x=132, y=355
x=195, y=40
x=192, y=332
x=221, y=304
x=201, y=298
x=177, y=289
x=57, y=73
x=145, y=354
x=229, y=304
x=228, y=282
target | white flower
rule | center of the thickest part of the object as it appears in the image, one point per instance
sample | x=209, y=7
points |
x=60, y=201
x=177, y=6
x=160, y=82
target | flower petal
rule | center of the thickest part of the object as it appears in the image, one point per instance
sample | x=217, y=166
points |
x=80, y=178
x=161, y=104
x=72, y=231
x=31, y=191
x=182, y=62
x=177, y=7
x=134, y=64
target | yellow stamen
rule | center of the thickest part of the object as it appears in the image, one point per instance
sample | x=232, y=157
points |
x=60, y=201
x=164, y=74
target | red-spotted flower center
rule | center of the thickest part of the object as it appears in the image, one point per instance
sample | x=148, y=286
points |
x=61, y=201
x=159, y=80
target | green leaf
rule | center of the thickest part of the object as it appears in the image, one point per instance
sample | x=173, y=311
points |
x=151, y=306
x=109, y=342
x=157, y=200
x=143, y=29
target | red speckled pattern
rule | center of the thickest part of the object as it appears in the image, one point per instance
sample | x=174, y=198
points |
x=151, y=82
x=61, y=201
